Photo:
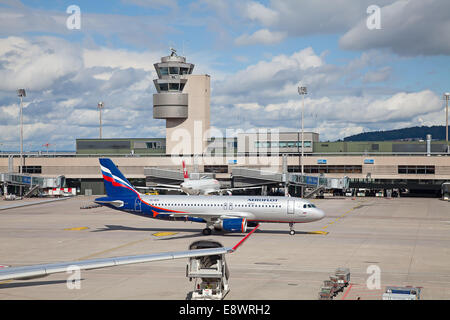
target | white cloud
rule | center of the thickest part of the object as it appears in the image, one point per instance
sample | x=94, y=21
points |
x=379, y=75
x=36, y=64
x=257, y=11
x=267, y=75
x=263, y=36
x=121, y=58
x=64, y=84
x=248, y=106
x=153, y=3
x=300, y=18
x=335, y=118
x=408, y=28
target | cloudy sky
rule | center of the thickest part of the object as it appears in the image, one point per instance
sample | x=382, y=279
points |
x=359, y=78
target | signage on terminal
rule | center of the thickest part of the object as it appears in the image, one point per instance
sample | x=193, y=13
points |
x=321, y=161
x=311, y=180
x=369, y=161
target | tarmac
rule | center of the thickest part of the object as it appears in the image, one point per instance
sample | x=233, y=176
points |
x=406, y=239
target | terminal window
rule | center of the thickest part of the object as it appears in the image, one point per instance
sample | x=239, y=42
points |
x=32, y=169
x=216, y=169
x=327, y=169
x=416, y=169
x=281, y=144
x=153, y=145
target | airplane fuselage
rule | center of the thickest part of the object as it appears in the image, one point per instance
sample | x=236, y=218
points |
x=200, y=187
x=255, y=208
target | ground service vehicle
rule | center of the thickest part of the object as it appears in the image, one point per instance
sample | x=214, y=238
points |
x=210, y=273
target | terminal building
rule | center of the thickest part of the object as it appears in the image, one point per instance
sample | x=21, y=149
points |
x=259, y=157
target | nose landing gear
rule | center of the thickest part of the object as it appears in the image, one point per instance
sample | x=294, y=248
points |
x=292, y=231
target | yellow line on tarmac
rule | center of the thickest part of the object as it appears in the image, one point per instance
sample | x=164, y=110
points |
x=337, y=219
x=162, y=234
x=76, y=229
x=317, y=232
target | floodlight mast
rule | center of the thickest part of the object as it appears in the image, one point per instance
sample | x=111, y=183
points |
x=21, y=93
x=100, y=106
x=302, y=91
x=446, y=97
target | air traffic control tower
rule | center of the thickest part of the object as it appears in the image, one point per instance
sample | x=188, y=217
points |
x=183, y=99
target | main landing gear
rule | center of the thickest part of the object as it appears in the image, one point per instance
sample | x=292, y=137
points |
x=207, y=231
x=292, y=231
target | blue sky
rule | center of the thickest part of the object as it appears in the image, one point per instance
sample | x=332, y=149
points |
x=255, y=51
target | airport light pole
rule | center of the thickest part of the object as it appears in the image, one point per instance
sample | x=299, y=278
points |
x=100, y=106
x=21, y=93
x=302, y=91
x=446, y=97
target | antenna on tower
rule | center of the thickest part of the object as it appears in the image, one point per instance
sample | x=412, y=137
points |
x=174, y=52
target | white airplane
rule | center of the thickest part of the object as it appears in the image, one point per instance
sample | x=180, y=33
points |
x=221, y=213
x=202, y=186
x=43, y=270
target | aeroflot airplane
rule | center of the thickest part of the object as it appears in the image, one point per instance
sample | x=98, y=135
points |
x=228, y=213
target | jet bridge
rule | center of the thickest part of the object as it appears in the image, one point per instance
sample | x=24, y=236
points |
x=165, y=176
x=33, y=183
x=246, y=177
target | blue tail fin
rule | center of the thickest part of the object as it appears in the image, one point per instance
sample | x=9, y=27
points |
x=116, y=184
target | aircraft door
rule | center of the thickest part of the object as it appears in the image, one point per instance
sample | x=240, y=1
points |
x=137, y=205
x=230, y=206
x=290, y=206
x=225, y=205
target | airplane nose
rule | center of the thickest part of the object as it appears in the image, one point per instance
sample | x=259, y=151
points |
x=320, y=214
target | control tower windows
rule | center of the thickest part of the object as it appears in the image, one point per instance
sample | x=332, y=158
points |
x=164, y=71
x=174, y=87
x=164, y=86
x=184, y=70
x=174, y=70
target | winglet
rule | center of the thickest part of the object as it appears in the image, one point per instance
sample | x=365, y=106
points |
x=243, y=239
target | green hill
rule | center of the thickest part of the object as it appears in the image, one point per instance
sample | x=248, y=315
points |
x=412, y=133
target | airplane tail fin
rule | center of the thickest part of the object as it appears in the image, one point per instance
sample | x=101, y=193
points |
x=185, y=172
x=116, y=184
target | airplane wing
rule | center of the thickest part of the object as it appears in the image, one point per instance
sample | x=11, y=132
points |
x=167, y=187
x=42, y=270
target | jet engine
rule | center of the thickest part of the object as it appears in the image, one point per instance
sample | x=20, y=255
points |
x=236, y=225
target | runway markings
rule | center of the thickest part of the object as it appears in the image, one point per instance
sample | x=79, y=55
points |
x=348, y=290
x=318, y=232
x=343, y=215
x=76, y=229
x=163, y=234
